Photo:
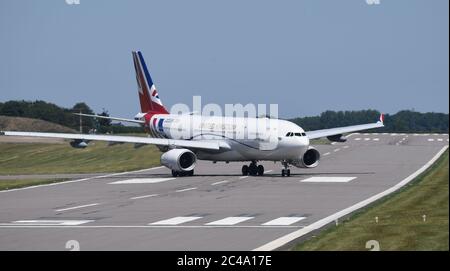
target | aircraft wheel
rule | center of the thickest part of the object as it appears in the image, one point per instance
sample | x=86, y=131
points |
x=190, y=173
x=245, y=170
x=174, y=173
x=283, y=173
x=260, y=170
x=288, y=173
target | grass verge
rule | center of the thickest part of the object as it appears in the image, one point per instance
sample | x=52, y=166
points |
x=42, y=158
x=401, y=223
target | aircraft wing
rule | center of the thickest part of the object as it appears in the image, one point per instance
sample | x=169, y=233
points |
x=346, y=129
x=194, y=144
x=111, y=118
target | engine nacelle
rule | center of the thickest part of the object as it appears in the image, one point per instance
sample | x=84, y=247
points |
x=179, y=160
x=337, y=138
x=78, y=144
x=310, y=159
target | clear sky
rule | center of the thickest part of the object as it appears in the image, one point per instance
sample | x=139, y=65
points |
x=305, y=55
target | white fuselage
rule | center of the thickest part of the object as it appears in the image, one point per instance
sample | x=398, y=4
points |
x=241, y=139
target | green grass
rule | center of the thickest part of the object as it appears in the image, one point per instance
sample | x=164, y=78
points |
x=11, y=184
x=400, y=223
x=40, y=158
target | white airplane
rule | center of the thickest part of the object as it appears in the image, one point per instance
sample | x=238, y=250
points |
x=184, y=138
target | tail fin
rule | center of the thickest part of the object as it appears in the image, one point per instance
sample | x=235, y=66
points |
x=148, y=96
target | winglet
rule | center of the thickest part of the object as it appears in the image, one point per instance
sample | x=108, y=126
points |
x=381, y=118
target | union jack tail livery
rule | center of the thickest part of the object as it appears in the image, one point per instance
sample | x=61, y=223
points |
x=148, y=95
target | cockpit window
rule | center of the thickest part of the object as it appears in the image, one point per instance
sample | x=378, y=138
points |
x=295, y=134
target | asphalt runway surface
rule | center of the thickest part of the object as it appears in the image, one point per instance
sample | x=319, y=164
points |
x=217, y=209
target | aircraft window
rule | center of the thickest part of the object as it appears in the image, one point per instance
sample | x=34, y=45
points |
x=303, y=134
x=298, y=134
x=288, y=134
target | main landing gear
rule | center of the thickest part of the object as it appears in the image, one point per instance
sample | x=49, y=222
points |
x=285, y=171
x=252, y=169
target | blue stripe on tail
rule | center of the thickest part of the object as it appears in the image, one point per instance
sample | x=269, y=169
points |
x=144, y=66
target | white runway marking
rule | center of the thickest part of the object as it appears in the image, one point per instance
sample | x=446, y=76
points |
x=345, y=147
x=221, y=182
x=12, y=226
x=333, y=143
x=284, y=221
x=176, y=220
x=243, y=177
x=145, y=196
x=143, y=181
x=328, y=180
x=336, y=150
x=376, y=139
x=76, y=207
x=357, y=139
x=325, y=154
x=187, y=189
x=440, y=139
x=393, y=134
x=49, y=222
x=367, y=139
x=232, y=220
x=430, y=139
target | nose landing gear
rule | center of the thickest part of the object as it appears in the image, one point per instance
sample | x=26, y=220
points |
x=285, y=171
x=253, y=169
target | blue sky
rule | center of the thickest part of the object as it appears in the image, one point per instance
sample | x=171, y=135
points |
x=306, y=55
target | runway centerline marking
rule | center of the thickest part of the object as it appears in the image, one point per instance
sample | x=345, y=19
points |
x=357, y=139
x=328, y=180
x=176, y=220
x=221, y=182
x=325, y=154
x=232, y=220
x=336, y=150
x=284, y=221
x=187, y=189
x=145, y=196
x=243, y=177
x=142, y=180
x=345, y=147
x=76, y=207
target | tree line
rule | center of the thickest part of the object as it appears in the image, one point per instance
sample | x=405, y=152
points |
x=406, y=121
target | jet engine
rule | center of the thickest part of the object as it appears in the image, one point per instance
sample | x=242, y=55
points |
x=337, y=138
x=78, y=144
x=310, y=159
x=180, y=160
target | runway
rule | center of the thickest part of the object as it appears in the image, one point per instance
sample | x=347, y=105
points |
x=217, y=209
